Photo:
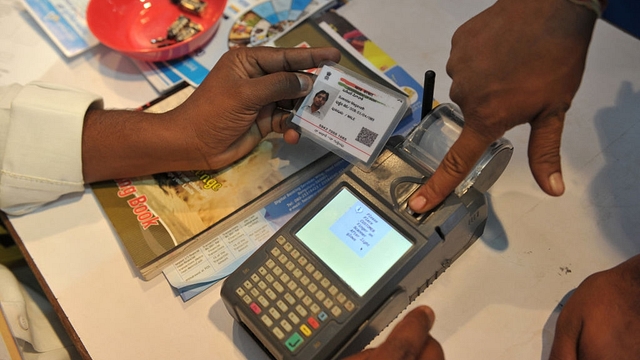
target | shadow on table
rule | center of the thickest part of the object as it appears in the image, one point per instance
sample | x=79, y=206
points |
x=615, y=199
x=242, y=340
x=549, y=329
x=493, y=235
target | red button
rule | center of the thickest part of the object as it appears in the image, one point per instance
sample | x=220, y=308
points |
x=256, y=309
x=312, y=321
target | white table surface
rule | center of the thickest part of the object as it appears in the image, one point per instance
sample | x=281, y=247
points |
x=497, y=301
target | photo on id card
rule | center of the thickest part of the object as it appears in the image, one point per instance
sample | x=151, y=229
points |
x=349, y=114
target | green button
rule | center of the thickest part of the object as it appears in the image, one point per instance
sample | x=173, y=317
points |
x=294, y=341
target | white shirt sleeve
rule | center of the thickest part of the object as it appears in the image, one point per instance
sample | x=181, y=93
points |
x=33, y=322
x=41, y=144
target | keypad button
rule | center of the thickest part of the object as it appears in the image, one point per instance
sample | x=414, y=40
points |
x=297, y=273
x=278, y=333
x=281, y=240
x=317, y=275
x=299, y=293
x=262, y=271
x=341, y=298
x=294, y=318
x=288, y=247
x=273, y=312
x=336, y=311
x=349, y=306
x=255, y=308
x=279, y=288
x=255, y=292
x=328, y=303
x=333, y=290
x=310, y=268
x=255, y=277
x=247, y=299
x=325, y=283
x=290, y=265
x=302, y=261
x=276, y=252
x=263, y=301
x=262, y=285
x=247, y=285
x=313, y=322
x=307, y=301
x=295, y=254
x=240, y=291
x=320, y=295
x=269, y=278
x=323, y=316
x=301, y=310
x=286, y=326
x=272, y=295
x=266, y=320
x=277, y=271
x=312, y=287
x=270, y=263
x=305, y=280
x=305, y=330
x=285, y=278
x=282, y=306
x=290, y=299
x=292, y=285
x=294, y=341
x=314, y=308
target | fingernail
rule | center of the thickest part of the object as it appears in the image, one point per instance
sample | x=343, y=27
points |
x=557, y=185
x=430, y=314
x=417, y=202
x=305, y=82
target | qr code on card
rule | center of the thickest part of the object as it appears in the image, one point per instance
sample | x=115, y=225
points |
x=366, y=137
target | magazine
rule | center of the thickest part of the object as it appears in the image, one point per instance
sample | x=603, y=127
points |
x=226, y=246
x=65, y=22
x=156, y=215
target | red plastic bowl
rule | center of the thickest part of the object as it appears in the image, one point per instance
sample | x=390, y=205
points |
x=129, y=26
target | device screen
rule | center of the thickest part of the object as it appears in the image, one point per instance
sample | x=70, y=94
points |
x=354, y=241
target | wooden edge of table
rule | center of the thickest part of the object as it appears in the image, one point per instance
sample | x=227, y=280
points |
x=82, y=351
x=9, y=341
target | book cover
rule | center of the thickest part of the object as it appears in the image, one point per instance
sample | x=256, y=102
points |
x=154, y=215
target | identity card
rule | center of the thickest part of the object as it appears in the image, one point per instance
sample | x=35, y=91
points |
x=350, y=114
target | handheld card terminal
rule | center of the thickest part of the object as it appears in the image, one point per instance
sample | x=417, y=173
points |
x=348, y=263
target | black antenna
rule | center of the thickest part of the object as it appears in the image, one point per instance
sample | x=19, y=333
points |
x=427, y=97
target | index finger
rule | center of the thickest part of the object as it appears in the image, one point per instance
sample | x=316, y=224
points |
x=270, y=60
x=455, y=166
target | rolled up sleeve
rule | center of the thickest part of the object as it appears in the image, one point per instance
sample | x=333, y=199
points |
x=41, y=144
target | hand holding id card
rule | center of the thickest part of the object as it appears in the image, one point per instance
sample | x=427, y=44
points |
x=349, y=114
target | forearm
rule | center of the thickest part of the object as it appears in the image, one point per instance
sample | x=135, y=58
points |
x=516, y=62
x=58, y=139
x=121, y=143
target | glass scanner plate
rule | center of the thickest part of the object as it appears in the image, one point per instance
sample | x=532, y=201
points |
x=430, y=141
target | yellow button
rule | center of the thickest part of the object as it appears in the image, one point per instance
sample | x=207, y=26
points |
x=305, y=330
